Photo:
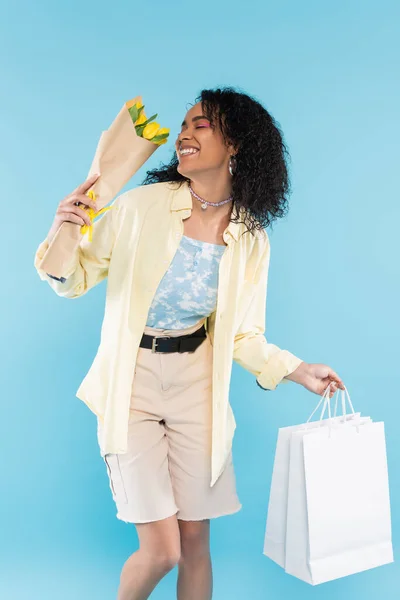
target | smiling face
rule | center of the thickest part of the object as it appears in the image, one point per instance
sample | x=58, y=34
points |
x=201, y=148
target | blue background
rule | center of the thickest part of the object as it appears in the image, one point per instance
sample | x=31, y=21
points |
x=328, y=72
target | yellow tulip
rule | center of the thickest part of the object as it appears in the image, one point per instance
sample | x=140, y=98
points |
x=150, y=130
x=164, y=141
x=142, y=118
x=132, y=102
x=163, y=130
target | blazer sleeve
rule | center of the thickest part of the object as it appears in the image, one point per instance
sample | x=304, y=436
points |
x=89, y=265
x=269, y=363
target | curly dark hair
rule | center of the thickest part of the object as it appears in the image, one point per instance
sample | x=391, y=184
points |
x=261, y=182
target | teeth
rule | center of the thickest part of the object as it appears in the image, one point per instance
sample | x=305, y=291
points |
x=188, y=151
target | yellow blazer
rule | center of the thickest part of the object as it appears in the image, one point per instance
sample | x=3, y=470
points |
x=133, y=245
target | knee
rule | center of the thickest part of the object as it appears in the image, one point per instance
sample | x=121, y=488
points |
x=167, y=559
x=160, y=544
x=163, y=558
x=195, y=539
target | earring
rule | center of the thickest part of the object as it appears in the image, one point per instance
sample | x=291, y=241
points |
x=232, y=165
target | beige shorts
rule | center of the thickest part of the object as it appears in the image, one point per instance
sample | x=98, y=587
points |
x=167, y=467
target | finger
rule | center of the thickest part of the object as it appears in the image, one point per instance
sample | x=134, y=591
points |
x=83, y=199
x=80, y=212
x=333, y=389
x=72, y=218
x=86, y=185
x=335, y=377
x=326, y=388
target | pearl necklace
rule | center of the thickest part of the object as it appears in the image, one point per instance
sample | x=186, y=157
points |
x=205, y=203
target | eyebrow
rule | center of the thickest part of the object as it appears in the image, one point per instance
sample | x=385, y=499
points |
x=195, y=119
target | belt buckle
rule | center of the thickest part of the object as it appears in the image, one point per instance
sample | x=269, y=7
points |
x=154, y=343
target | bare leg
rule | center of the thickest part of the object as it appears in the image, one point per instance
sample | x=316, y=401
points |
x=159, y=553
x=194, y=567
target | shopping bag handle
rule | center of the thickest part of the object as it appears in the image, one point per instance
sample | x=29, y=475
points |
x=326, y=400
x=323, y=399
x=345, y=391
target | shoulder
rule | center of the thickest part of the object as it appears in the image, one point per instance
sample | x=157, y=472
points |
x=262, y=238
x=135, y=195
x=257, y=240
x=261, y=254
x=142, y=197
x=262, y=248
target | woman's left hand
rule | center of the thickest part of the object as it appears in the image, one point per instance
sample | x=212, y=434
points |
x=316, y=377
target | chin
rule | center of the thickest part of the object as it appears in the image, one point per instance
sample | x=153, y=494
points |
x=184, y=172
x=188, y=173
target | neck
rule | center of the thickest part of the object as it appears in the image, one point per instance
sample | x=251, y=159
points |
x=214, y=190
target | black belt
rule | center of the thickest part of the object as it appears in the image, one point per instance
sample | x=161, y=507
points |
x=180, y=343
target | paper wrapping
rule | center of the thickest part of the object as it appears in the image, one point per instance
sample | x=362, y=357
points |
x=119, y=154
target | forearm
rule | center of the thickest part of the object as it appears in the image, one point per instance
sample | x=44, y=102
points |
x=88, y=263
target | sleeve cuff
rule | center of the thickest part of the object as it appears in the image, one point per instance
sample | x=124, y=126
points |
x=61, y=279
x=263, y=388
x=40, y=252
x=278, y=366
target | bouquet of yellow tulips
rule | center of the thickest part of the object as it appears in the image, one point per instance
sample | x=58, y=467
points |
x=121, y=151
x=143, y=125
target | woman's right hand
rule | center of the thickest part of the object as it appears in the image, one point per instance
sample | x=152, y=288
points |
x=68, y=209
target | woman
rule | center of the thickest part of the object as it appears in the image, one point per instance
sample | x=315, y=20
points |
x=187, y=256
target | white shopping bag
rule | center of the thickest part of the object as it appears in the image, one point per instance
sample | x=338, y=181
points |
x=338, y=511
x=275, y=531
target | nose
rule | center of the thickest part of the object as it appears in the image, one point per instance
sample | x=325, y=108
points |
x=184, y=135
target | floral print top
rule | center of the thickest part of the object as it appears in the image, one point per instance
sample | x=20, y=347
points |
x=188, y=291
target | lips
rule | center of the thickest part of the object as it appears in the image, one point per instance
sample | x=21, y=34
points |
x=192, y=150
x=188, y=154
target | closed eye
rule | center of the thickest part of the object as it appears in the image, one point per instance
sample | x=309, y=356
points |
x=200, y=127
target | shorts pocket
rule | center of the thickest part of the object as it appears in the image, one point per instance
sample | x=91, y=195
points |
x=116, y=480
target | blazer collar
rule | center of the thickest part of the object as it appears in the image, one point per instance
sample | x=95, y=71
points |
x=182, y=200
